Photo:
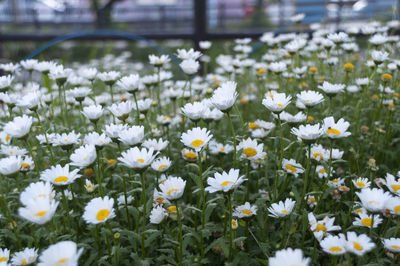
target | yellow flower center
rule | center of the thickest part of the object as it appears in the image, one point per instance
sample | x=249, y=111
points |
x=366, y=222
x=320, y=227
x=333, y=131
x=172, y=208
x=25, y=165
x=357, y=246
x=11, y=152
x=162, y=166
x=63, y=260
x=84, y=158
x=61, y=179
x=225, y=183
x=65, y=139
x=111, y=161
x=335, y=181
x=247, y=211
x=140, y=160
x=24, y=262
x=253, y=125
x=42, y=213
x=307, y=101
x=290, y=168
x=280, y=105
x=322, y=171
x=172, y=190
x=89, y=171
x=222, y=149
x=3, y=259
x=197, y=143
x=7, y=138
x=190, y=155
x=395, y=247
x=358, y=211
x=284, y=211
x=250, y=152
x=318, y=154
x=360, y=184
x=335, y=249
x=395, y=187
x=102, y=214
x=160, y=200
x=397, y=209
x=311, y=200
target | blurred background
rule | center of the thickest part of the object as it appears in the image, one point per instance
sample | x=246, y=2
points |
x=27, y=24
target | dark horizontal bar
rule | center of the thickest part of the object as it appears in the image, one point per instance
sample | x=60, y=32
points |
x=98, y=37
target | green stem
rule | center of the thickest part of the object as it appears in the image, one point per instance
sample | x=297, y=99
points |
x=180, y=253
x=230, y=225
x=144, y=213
x=45, y=136
x=234, y=140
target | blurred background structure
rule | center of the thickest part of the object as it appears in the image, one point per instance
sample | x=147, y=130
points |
x=44, y=20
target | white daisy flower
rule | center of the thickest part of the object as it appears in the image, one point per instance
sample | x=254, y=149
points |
x=89, y=186
x=251, y=150
x=161, y=164
x=392, y=244
x=321, y=228
x=189, y=66
x=358, y=245
x=59, y=175
x=277, y=103
x=367, y=220
x=292, y=167
x=157, y=145
x=19, y=127
x=335, y=130
x=361, y=183
x=224, y=97
x=38, y=210
x=159, y=61
x=10, y=165
x=281, y=209
x=245, y=210
x=37, y=190
x=334, y=245
x=61, y=253
x=392, y=184
x=310, y=98
x=287, y=257
x=132, y=135
x=96, y=139
x=374, y=199
x=4, y=255
x=172, y=188
x=25, y=257
x=99, y=210
x=136, y=158
x=225, y=181
x=332, y=89
x=196, y=138
x=83, y=156
x=9, y=150
x=307, y=132
x=157, y=215
x=93, y=112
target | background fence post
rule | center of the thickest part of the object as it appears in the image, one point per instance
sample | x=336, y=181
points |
x=200, y=22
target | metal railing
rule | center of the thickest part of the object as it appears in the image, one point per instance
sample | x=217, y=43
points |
x=191, y=21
